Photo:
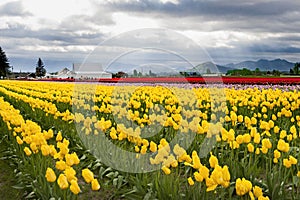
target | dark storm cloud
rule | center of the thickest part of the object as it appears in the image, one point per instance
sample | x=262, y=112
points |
x=253, y=15
x=14, y=8
x=66, y=36
x=210, y=8
x=275, y=49
x=254, y=51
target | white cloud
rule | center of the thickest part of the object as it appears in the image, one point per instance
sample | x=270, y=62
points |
x=56, y=9
x=13, y=8
x=126, y=22
x=170, y=1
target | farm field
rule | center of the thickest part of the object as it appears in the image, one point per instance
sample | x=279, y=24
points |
x=194, y=80
x=151, y=141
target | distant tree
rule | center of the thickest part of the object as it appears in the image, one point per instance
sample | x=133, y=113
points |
x=291, y=71
x=151, y=74
x=246, y=72
x=276, y=72
x=140, y=74
x=296, y=68
x=257, y=71
x=40, y=70
x=239, y=72
x=208, y=71
x=120, y=74
x=183, y=74
x=229, y=72
x=4, y=64
x=135, y=73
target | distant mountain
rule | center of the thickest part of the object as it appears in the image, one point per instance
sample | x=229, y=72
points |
x=264, y=65
x=203, y=68
x=211, y=67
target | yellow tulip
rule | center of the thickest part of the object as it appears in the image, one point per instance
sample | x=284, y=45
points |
x=256, y=138
x=95, y=185
x=70, y=174
x=276, y=129
x=287, y=163
x=266, y=143
x=239, y=139
x=204, y=171
x=50, y=175
x=19, y=140
x=250, y=147
x=283, y=146
x=191, y=181
x=257, y=191
x=62, y=182
x=45, y=150
x=213, y=161
x=293, y=160
x=257, y=151
x=153, y=147
x=196, y=160
x=60, y=165
x=277, y=153
x=74, y=187
x=87, y=175
x=210, y=184
x=143, y=150
x=198, y=177
x=27, y=151
x=246, y=138
x=243, y=186
x=166, y=170
x=59, y=137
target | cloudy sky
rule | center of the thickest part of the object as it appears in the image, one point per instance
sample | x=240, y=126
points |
x=74, y=31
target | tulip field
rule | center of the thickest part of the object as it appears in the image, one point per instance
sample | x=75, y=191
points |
x=151, y=141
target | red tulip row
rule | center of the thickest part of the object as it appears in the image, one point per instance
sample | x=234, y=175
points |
x=199, y=80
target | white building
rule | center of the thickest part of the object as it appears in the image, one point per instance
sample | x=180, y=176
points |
x=64, y=73
x=90, y=71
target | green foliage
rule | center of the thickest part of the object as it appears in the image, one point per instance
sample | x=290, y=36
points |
x=240, y=72
x=7, y=173
x=208, y=71
x=296, y=68
x=276, y=181
x=40, y=70
x=256, y=72
x=4, y=64
x=276, y=72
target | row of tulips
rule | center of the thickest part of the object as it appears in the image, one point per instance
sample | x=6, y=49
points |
x=254, y=134
x=44, y=153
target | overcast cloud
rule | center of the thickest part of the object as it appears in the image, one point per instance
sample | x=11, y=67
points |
x=64, y=32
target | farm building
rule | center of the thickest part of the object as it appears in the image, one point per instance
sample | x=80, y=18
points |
x=64, y=73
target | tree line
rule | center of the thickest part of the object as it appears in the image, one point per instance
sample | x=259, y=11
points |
x=4, y=64
x=256, y=72
x=296, y=69
x=246, y=72
x=6, y=69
